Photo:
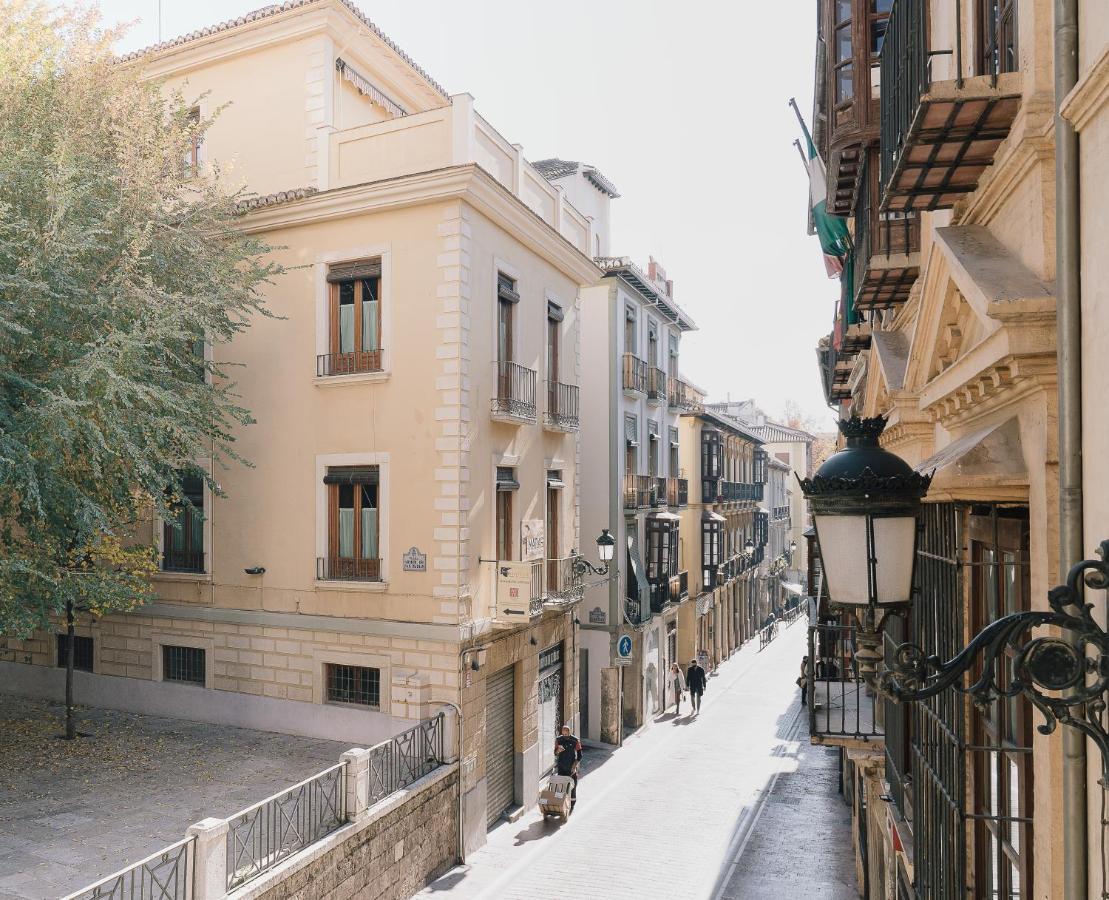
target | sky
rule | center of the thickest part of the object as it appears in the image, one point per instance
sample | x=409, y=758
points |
x=684, y=106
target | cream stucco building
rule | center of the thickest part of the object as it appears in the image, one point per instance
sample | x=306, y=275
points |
x=417, y=410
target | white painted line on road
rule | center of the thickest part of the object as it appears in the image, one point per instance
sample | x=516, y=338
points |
x=743, y=833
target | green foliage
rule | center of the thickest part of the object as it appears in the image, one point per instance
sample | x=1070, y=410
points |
x=114, y=259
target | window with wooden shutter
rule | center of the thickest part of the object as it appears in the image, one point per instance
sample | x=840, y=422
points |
x=355, y=319
x=353, y=524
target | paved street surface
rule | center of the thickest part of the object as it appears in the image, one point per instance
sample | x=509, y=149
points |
x=71, y=813
x=733, y=803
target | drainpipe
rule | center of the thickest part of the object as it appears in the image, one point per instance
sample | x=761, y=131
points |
x=1069, y=337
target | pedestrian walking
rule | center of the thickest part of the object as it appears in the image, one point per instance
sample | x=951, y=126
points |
x=803, y=681
x=676, y=684
x=695, y=679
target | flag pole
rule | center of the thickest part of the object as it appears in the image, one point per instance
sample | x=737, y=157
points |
x=801, y=153
x=800, y=119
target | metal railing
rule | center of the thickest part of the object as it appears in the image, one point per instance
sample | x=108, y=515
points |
x=679, y=587
x=164, y=875
x=513, y=391
x=635, y=373
x=265, y=834
x=781, y=512
x=656, y=383
x=767, y=634
x=562, y=405
x=406, y=758
x=344, y=568
x=840, y=702
x=658, y=491
x=677, y=491
x=905, y=61
x=182, y=561
x=879, y=233
x=637, y=491
x=681, y=396
x=352, y=363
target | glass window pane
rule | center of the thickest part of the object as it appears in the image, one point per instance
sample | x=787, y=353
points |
x=845, y=85
x=843, y=44
x=843, y=10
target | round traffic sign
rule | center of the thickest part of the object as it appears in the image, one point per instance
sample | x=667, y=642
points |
x=624, y=646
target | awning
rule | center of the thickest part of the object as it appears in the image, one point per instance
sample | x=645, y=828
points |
x=368, y=88
x=990, y=457
x=665, y=516
x=709, y=516
x=637, y=581
x=792, y=587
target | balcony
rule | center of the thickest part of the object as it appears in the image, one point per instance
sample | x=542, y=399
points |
x=679, y=587
x=637, y=491
x=345, y=568
x=681, y=397
x=780, y=512
x=887, y=248
x=656, y=384
x=677, y=492
x=556, y=581
x=841, y=706
x=355, y=363
x=635, y=375
x=513, y=394
x=562, y=407
x=658, y=491
x=940, y=130
x=183, y=561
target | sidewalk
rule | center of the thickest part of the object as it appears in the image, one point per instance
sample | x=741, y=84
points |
x=668, y=813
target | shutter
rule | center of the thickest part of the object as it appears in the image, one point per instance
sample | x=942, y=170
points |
x=500, y=750
x=506, y=289
x=351, y=475
x=631, y=431
x=554, y=311
x=365, y=268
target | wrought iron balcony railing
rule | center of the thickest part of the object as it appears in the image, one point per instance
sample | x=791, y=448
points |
x=637, y=491
x=353, y=363
x=513, y=392
x=562, y=406
x=681, y=396
x=635, y=374
x=658, y=491
x=656, y=384
x=345, y=568
x=887, y=246
x=841, y=705
x=183, y=561
x=677, y=492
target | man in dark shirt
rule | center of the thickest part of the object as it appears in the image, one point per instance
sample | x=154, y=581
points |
x=567, y=757
x=695, y=682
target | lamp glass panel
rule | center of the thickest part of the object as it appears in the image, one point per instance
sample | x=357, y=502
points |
x=604, y=550
x=843, y=551
x=893, y=549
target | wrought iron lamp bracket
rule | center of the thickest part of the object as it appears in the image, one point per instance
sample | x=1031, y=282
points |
x=1075, y=672
x=583, y=567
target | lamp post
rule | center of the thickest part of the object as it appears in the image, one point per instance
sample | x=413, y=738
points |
x=749, y=548
x=865, y=502
x=606, y=545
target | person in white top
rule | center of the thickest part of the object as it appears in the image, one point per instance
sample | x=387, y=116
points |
x=675, y=683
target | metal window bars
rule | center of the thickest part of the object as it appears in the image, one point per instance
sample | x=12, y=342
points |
x=164, y=875
x=265, y=834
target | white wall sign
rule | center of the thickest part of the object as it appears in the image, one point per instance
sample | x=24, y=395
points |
x=413, y=560
x=532, y=538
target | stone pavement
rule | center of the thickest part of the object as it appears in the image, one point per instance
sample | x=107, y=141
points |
x=732, y=803
x=73, y=812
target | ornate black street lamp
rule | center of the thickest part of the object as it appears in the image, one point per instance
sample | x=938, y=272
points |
x=865, y=502
x=606, y=544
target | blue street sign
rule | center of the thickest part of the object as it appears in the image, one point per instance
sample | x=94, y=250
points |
x=624, y=649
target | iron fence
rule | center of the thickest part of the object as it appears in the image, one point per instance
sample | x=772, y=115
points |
x=905, y=62
x=406, y=758
x=165, y=875
x=767, y=634
x=513, y=390
x=656, y=383
x=681, y=396
x=265, y=834
x=639, y=491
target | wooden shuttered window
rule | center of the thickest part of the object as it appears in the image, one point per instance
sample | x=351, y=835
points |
x=353, y=523
x=354, y=319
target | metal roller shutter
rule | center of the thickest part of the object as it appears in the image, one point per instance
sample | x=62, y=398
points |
x=500, y=759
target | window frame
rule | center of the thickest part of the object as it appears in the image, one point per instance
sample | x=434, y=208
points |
x=360, y=360
x=329, y=700
x=324, y=462
x=322, y=266
x=61, y=640
x=334, y=528
x=503, y=516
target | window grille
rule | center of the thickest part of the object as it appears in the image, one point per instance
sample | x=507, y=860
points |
x=183, y=664
x=82, y=652
x=353, y=684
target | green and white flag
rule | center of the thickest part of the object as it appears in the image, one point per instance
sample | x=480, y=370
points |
x=835, y=240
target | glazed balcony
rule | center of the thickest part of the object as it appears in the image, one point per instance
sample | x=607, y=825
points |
x=841, y=705
x=513, y=398
x=635, y=375
x=940, y=128
x=562, y=407
x=887, y=248
x=681, y=396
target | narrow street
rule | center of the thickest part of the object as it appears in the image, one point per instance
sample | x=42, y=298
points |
x=732, y=803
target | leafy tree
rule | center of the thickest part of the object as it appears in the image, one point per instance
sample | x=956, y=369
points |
x=116, y=258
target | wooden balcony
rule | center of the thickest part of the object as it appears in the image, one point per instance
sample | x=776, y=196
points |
x=513, y=398
x=940, y=130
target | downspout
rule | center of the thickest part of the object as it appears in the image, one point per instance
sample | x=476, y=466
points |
x=1069, y=342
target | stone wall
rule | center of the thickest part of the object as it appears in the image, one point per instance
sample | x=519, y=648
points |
x=400, y=846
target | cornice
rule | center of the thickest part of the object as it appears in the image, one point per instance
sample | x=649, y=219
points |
x=1087, y=98
x=469, y=183
x=1003, y=382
